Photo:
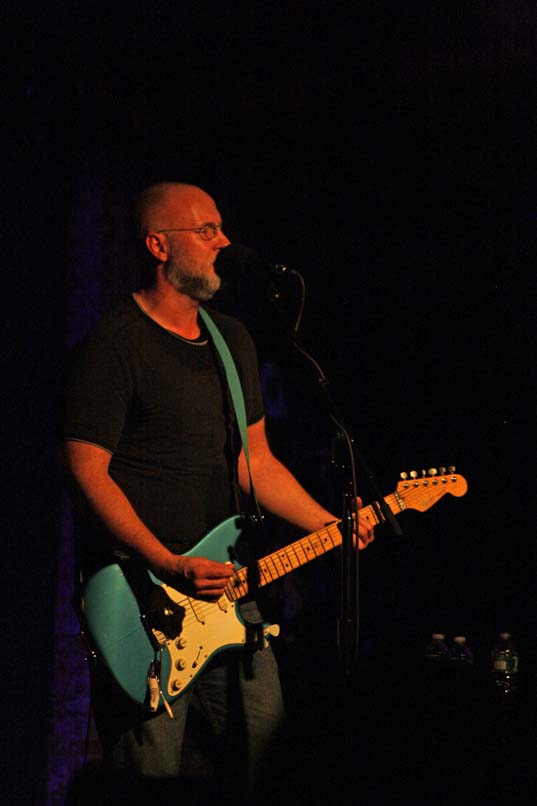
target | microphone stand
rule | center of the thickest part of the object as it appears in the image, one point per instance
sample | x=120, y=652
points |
x=348, y=621
x=348, y=625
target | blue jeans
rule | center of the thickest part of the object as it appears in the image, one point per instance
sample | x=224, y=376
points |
x=236, y=701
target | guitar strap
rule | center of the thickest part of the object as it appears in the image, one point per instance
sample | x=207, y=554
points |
x=235, y=389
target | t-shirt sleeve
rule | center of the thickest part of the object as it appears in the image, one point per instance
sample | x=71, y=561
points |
x=97, y=392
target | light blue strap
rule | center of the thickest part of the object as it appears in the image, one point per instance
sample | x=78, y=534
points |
x=234, y=384
x=232, y=379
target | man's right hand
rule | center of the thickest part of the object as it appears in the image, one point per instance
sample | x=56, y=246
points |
x=198, y=577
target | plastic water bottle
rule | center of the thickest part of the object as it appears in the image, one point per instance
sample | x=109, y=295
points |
x=459, y=652
x=505, y=663
x=436, y=650
x=462, y=678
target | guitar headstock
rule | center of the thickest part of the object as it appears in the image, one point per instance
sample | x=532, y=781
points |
x=420, y=490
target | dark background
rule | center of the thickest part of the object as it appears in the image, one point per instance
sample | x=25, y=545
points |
x=386, y=152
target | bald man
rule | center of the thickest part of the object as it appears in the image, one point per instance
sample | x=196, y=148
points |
x=156, y=461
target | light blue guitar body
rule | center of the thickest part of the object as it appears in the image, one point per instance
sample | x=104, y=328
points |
x=121, y=634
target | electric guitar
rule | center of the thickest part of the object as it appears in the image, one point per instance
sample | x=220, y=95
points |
x=156, y=640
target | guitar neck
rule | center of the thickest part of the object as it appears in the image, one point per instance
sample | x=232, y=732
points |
x=276, y=565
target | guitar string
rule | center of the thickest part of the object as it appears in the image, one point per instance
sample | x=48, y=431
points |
x=316, y=540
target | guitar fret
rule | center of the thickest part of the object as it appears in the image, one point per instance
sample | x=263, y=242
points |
x=237, y=587
x=286, y=561
x=370, y=514
x=278, y=565
x=324, y=541
x=328, y=542
x=242, y=586
x=309, y=540
x=264, y=572
x=301, y=551
x=298, y=551
x=317, y=545
x=274, y=573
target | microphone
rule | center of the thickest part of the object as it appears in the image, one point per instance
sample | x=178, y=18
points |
x=245, y=274
x=246, y=255
x=246, y=261
x=280, y=269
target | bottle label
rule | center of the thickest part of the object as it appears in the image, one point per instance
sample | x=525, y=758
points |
x=506, y=663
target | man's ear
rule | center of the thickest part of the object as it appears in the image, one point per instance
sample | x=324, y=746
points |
x=157, y=245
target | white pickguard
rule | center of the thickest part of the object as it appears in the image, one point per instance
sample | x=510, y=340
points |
x=207, y=628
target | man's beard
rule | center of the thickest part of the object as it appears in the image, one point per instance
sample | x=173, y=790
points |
x=200, y=287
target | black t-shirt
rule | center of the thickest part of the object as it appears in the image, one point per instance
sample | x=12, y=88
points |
x=160, y=405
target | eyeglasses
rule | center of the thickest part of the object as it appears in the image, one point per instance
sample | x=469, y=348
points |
x=206, y=233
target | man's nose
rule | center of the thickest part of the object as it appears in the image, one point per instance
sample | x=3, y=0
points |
x=222, y=240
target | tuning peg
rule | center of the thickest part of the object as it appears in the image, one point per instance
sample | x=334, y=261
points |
x=413, y=474
x=443, y=471
x=451, y=469
x=432, y=471
x=404, y=476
